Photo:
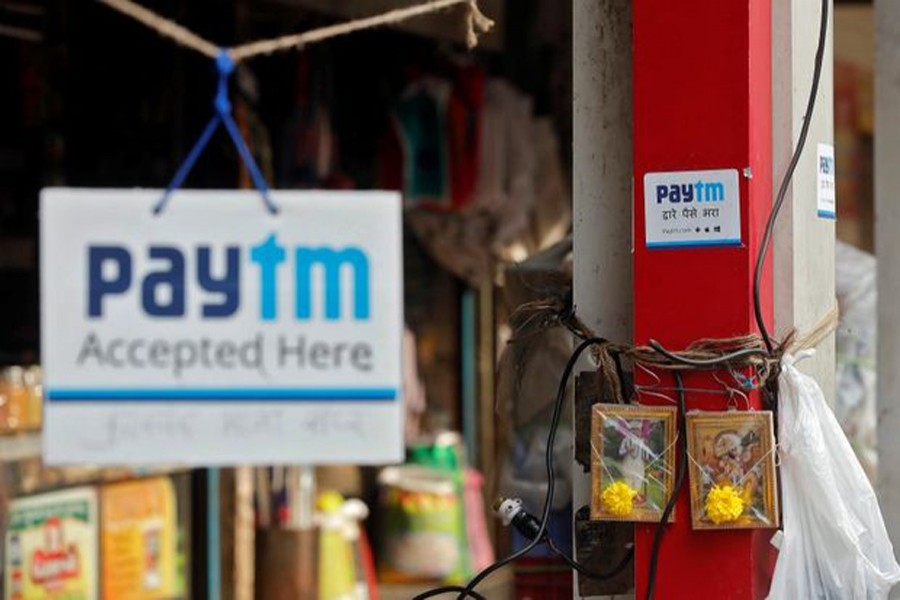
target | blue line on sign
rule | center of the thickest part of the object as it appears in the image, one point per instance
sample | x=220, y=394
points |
x=681, y=244
x=827, y=214
x=224, y=395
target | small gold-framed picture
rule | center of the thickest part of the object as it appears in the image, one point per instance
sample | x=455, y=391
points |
x=632, y=461
x=732, y=470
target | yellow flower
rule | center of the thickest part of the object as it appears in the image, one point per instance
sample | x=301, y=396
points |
x=618, y=499
x=724, y=504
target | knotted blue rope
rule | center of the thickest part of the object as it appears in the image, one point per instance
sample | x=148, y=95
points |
x=225, y=67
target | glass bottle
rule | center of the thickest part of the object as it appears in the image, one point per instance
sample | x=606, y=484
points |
x=17, y=398
x=35, y=385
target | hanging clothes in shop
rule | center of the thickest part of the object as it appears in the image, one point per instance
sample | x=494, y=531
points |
x=413, y=388
x=421, y=118
x=551, y=216
x=464, y=133
x=484, y=182
x=252, y=127
x=309, y=143
x=507, y=174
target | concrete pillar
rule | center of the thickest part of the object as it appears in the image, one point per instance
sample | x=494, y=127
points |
x=602, y=166
x=887, y=247
x=803, y=253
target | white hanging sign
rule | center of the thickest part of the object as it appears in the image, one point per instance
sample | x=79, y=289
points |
x=692, y=209
x=217, y=333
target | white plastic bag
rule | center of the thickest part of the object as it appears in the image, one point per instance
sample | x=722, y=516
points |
x=835, y=546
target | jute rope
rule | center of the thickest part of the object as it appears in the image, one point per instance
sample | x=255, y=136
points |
x=533, y=317
x=476, y=24
x=815, y=336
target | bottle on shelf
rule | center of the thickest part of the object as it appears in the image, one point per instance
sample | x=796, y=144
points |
x=35, y=385
x=17, y=400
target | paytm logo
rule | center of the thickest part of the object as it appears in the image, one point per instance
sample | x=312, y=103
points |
x=162, y=289
x=701, y=191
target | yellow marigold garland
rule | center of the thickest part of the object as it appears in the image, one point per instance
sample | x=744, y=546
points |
x=618, y=499
x=724, y=504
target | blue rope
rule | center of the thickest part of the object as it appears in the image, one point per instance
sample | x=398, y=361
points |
x=225, y=67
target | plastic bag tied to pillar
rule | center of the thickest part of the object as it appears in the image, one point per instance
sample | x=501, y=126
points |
x=835, y=544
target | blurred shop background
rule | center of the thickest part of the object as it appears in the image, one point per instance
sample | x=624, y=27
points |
x=480, y=145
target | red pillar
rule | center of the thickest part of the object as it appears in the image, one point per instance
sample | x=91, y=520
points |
x=702, y=101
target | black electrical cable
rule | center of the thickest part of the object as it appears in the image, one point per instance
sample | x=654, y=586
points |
x=530, y=528
x=551, y=469
x=447, y=589
x=551, y=477
x=789, y=174
x=679, y=483
x=623, y=384
x=629, y=556
x=708, y=362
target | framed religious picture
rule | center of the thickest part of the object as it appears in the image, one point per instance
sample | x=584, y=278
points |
x=632, y=461
x=732, y=470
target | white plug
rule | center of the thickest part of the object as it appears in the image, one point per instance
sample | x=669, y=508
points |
x=507, y=509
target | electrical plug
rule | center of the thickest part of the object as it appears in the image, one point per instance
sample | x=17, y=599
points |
x=512, y=512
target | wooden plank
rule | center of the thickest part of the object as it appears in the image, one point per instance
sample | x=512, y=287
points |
x=244, y=534
x=487, y=361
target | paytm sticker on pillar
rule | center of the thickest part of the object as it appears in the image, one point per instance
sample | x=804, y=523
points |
x=184, y=335
x=692, y=209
